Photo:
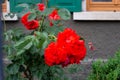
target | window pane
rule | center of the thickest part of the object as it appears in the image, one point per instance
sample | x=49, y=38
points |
x=102, y=0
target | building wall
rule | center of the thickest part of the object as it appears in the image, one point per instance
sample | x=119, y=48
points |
x=84, y=5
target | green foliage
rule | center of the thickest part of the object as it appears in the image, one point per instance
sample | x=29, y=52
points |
x=109, y=70
x=25, y=8
x=26, y=54
x=73, y=68
x=66, y=15
x=25, y=51
x=32, y=16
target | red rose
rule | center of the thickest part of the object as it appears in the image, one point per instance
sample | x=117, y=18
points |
x=24, y=18
x=54, y=55
x=76, y=52
x=34, y=24
x=51, y=24
x=30, y=25
x=67, y=50
x=54, y=15
x=68, y=36
x=74, y=47
x=41, y=6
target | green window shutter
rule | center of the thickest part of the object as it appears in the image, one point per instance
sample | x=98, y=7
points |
x=71, y=5
x=14, y=3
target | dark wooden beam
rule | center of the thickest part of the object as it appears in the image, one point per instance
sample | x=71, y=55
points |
x=1, y=53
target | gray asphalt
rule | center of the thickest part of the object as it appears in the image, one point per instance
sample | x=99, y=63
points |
x=105, y=36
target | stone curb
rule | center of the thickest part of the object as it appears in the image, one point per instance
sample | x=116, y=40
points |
x=86, y=61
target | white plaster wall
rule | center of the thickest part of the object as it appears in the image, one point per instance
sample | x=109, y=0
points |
x=8, y=6
x=83, y=5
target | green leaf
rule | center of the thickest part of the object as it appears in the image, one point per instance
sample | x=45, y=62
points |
x=47, y=11
x=74, y=68
x=40, y=40
x=6, y=37
x=13, y=68
x=23, y=5
x=39, y=75
x=25, y=8
x=41, y=52
x=64, y=14
x=12, y=77
x=15, y=77
x=37, y=34
x=20, y=14
x=41, y=43
x=43, y=36
x=45, y=44
x=23, y=45
x=36, y=42
x=9, y=50
x=28, y=45
x=32, y=16
x=38, y=13
x=20, y=52
x=32, y=11
x=33, y=6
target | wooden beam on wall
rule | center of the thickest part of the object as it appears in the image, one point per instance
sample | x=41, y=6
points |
x=1, y=53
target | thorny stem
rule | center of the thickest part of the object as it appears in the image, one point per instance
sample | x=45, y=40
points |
x=41, y=24
x=43, y=18
x=28, y=74
x=46, y=3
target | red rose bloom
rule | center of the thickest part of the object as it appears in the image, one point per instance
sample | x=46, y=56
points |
x=75, y=48
x=67, y=50
x=68, y=36
x=54, y=55
x=34, y=24
x=24, y=18
x=54, y=15
x=51, y=24
x=30, y=25
x=41, y=6
x=76, y=52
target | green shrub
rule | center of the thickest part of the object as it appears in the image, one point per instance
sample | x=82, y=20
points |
x=109, y=70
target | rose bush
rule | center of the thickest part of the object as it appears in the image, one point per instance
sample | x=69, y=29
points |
x=43, y=52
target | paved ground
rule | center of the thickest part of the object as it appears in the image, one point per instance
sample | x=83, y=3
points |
x=104, y=35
